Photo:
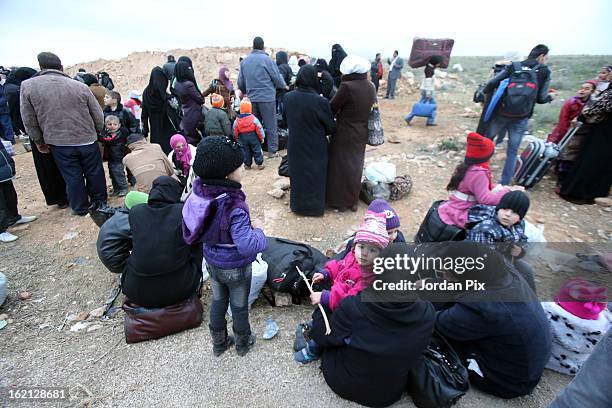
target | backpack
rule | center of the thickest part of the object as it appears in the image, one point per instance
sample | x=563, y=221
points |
x=282, y=256
x=521, y=92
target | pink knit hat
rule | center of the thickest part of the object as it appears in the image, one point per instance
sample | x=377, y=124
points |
x=373, y=230
x=583, y=298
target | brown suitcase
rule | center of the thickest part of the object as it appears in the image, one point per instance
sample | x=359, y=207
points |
x=424, y=48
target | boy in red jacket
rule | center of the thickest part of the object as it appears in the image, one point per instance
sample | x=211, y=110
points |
x=571, y=109
x=250, y=134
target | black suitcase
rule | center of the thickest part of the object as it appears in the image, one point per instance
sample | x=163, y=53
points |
x=538, y=157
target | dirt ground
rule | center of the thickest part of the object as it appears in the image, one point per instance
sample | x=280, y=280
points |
x=55, y=261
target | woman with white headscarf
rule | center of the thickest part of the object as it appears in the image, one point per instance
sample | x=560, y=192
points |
x=351, y=105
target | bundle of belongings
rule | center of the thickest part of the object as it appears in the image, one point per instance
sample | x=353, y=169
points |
x=381, y=181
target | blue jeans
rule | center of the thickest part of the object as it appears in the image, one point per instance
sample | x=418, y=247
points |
x=431, y=119
x=81, y=168
x=266, y=113
x=117, y=176
x=251, y=149
x=6, y=127
x=230, y=286
x=516, y=130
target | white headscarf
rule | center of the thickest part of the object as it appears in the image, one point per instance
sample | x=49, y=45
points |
x=354, y=64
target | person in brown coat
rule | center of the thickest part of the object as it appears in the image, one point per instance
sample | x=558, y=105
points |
x=351, y=105
x=146, y=161
x=98, y=90
x=224, y=87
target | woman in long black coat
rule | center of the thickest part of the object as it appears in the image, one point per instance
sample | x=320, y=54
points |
x=326, y=82
x=591, y=175
x=49, y=177
x=186, y=88
x=351, y=105
x=158, y=118
x=310, y=120
x=338, y=56
x=375, y=339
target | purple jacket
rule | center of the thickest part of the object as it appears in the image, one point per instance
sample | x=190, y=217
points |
x=218, y=216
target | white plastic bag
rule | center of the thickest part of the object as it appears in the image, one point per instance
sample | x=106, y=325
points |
x=259, y=275
x=2, y=288
x=381, y=172
x=535, y=237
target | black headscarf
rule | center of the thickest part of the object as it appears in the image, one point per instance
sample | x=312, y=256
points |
x=183, y=71
x=164, y=190
x=17, y=76
x=338, y=56
x=307, y=78
x=89, y=79
x=321, y=65
x=186, y=59
x=154, y=95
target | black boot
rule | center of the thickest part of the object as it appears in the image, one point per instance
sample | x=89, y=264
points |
x=244, y=342
x=221, y=341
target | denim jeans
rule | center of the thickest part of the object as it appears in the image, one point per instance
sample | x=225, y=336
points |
x=6, y=127
x=430, y=120
x=81, y=168
x=516, y=130
x=391, y=87
x=230, y=286
x=117, y=176
x=591, y=386
x=266, y=113
x=251, y=149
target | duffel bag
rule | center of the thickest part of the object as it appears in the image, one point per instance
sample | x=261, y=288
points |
x=283, y=256
x=433, y=229
x=141, y=323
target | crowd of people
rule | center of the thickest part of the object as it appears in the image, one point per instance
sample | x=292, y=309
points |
x=186, y=163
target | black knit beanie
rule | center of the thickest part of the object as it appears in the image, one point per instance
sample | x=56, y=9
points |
x=516, y=201
x=217, y=157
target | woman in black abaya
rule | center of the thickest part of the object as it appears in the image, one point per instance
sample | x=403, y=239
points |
x=310, y=120
x=158, y=118
x=338, y=56
x=49, y=177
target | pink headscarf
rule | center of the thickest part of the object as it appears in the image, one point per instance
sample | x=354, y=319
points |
x=185, y=156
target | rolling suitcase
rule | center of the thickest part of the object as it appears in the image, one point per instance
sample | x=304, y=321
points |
x=424, y=48
x=538, y=157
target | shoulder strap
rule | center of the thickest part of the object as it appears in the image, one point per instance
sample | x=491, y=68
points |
x=517, y=66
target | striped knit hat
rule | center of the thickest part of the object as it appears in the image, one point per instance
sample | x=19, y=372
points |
x=373, y=230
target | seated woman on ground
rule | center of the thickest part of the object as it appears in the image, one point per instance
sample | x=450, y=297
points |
x=472, y=183
x=345, y=277
x=375, y=341
x=500, y=332
x=158, y=268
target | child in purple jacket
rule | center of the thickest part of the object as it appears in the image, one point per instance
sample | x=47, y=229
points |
x=217, y=215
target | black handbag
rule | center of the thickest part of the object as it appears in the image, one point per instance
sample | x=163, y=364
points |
x=283, y=168
x=439, y=380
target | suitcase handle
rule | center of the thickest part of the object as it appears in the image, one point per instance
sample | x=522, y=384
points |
x=568, y=136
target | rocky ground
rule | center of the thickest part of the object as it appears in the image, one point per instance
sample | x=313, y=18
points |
x=54, y=273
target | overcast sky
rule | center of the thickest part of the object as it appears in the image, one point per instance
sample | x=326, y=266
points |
x=85, y=30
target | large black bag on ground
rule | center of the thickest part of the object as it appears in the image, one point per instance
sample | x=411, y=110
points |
x=283, y=140
x=283, y=167
x=282, y=256
x=433, y=229
x=439, y=380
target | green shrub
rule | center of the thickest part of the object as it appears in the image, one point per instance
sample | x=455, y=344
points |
x=449, y=144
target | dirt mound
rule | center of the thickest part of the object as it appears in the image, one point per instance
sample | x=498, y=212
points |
x=133, y=71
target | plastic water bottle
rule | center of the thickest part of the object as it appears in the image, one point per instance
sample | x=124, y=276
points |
x=271, y=329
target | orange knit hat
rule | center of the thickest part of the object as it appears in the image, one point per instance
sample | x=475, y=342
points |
x=217, y=100
x=245, y=106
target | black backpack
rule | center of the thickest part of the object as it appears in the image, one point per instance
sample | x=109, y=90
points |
x=521, y=92
x=282, y=256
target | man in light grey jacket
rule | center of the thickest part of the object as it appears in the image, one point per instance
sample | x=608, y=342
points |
x=395, y=72
x=63, y=117
x=258, y=80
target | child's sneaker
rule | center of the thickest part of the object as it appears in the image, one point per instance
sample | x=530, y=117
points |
x=261, y=166
x=305, y=356
x=25, y=219
x=8, y=237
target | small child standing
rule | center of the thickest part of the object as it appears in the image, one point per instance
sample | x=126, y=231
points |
x=579, y=320
x=344, y=278
x=503, y=227
x=113, y=106
x=249, y=132
x=216, y=122
x=114, y=138
x=217, y=215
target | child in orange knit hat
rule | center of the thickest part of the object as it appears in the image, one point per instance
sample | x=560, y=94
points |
x=250, y=134
x=216, y=122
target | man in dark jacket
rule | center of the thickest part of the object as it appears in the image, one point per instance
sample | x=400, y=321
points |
x=169, y=67
x=259, y=78
x=376, y=71
x=161, y=269
x=502, y=331
x=375, y=339
x=516, y=126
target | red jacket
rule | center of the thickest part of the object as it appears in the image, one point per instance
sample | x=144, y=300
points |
x=248, y=123
x=570, y=110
